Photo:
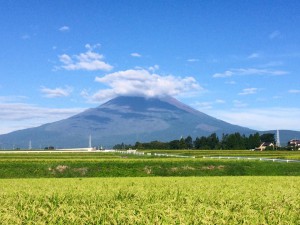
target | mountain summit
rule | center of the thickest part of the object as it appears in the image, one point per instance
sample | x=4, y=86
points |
x=124, y=119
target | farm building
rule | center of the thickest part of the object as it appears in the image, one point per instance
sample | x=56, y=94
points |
x=294, y=143
x=264, y=145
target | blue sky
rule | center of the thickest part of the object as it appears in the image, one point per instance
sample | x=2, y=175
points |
x=234, y=60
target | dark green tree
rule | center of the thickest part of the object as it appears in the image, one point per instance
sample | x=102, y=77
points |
x=175, y=144
x=138, y=145
x=213, y=141
x=253, y=141
x=267, y=137
x=182, y=144
x=201, y=143
x=233, y=141
x=197, y=143
x=189, y=142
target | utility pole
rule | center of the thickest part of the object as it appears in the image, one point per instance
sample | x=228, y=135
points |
x=90, y=141
x=277, y=139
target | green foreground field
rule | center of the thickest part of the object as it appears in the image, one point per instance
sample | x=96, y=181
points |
x=151, y=200
x=50, y=165
x=110, y=188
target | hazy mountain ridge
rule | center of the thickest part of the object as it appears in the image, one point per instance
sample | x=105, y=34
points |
x=124, y=119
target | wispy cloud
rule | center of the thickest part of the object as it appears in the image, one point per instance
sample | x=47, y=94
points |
x=262, y=118
x=153, y=68
x=208, y=104
x=203, y=105
x=239, y=104
x=88, y=60
x=277, y=97
x=248, y=91
x=135, y=54
x=249, y=71
x=25, y=36
x=272, y=64
x=56, y=92
x=141, y=82
x=12, y=98
x=227, y=73
x=16, y=116
x=193, y=60
x=275, y=34
x=232, y=82
x=84, y=93
x=254, y=56
x=64, y=29
x=294, y=91
x=220, y=101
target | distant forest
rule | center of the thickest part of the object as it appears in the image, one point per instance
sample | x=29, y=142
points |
x=234, y=141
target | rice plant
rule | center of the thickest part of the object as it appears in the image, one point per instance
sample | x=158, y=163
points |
x=151, y=200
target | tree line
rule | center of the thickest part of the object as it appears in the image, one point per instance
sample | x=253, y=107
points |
x=234, y=141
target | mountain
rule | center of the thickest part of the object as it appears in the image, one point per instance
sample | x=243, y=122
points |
x=124, y=119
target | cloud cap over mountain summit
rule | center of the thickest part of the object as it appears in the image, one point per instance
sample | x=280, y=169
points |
x=143, y=83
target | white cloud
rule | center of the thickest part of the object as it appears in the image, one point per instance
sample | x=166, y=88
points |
x=16, y=116
x=227, y=73
x=141, y=82
x=248, y=91
x=275, y=34
x=64, y=29
x=153, y=68
x=92, y=47
x=294, y=91
x=253, y=71
x=254, y=56
x=203, y=105
x=84, y=93
x=65, y=59
x=249, y=71
x=239, y=104
x=277, y=97
x=207, y=105
x=193, y=60
x=12, y=98
x=232, y=82
x=102, y=96
x=137, y=55
x=56, y=92
x=89, y=60
x=25, y=36
x=272, y=64
x=220, y=101
x=261, y=119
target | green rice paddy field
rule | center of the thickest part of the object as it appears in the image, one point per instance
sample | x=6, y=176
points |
x=97, y=188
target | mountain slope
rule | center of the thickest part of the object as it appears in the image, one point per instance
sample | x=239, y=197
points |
x=124, y=119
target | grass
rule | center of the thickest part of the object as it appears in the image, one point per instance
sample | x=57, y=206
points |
x=151, y=200
x=50, y=165
x=143, y=167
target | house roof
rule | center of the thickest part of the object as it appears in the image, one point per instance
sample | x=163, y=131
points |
x=267, y=144
x=294, y=141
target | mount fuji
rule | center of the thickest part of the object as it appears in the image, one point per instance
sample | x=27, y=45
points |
x=124, y=119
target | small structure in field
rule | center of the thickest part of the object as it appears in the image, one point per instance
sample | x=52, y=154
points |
x=77, y=149
x=265, y=145
x=131, y=151
x=294, y=144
